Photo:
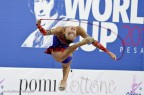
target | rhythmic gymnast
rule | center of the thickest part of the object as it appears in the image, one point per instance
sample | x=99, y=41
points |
x=60, y=49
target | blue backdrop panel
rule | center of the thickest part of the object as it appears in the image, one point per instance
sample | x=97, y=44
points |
x=119, y=26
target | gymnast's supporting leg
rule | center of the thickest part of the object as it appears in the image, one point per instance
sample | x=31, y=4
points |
x=66, y=69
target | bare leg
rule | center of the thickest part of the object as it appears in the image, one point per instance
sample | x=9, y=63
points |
x=66, y=69
x=72, y=48
x=60, y=56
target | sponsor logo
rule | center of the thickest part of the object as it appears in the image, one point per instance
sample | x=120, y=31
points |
x=33, y=85
x=136, y=87
x=1, y=86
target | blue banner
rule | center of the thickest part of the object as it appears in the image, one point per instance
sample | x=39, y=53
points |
x=117, y=24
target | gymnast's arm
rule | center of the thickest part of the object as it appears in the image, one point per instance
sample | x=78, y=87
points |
x=44, y=32
x=95, y=43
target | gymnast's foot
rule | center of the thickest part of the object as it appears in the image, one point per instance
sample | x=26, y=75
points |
x=87, y=40
x=62, y=85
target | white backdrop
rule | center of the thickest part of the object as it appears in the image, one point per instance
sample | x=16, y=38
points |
x=37, y=81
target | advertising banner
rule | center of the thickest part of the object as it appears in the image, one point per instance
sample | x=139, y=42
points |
x=117, y=24
x=32, y=81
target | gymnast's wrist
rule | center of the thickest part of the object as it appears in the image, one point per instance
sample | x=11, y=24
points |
x=108, y=52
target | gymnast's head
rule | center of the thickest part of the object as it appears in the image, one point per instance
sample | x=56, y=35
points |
x=70, y=34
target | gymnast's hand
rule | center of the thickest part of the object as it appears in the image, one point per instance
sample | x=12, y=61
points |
x=38, y=22
x=112, y=55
